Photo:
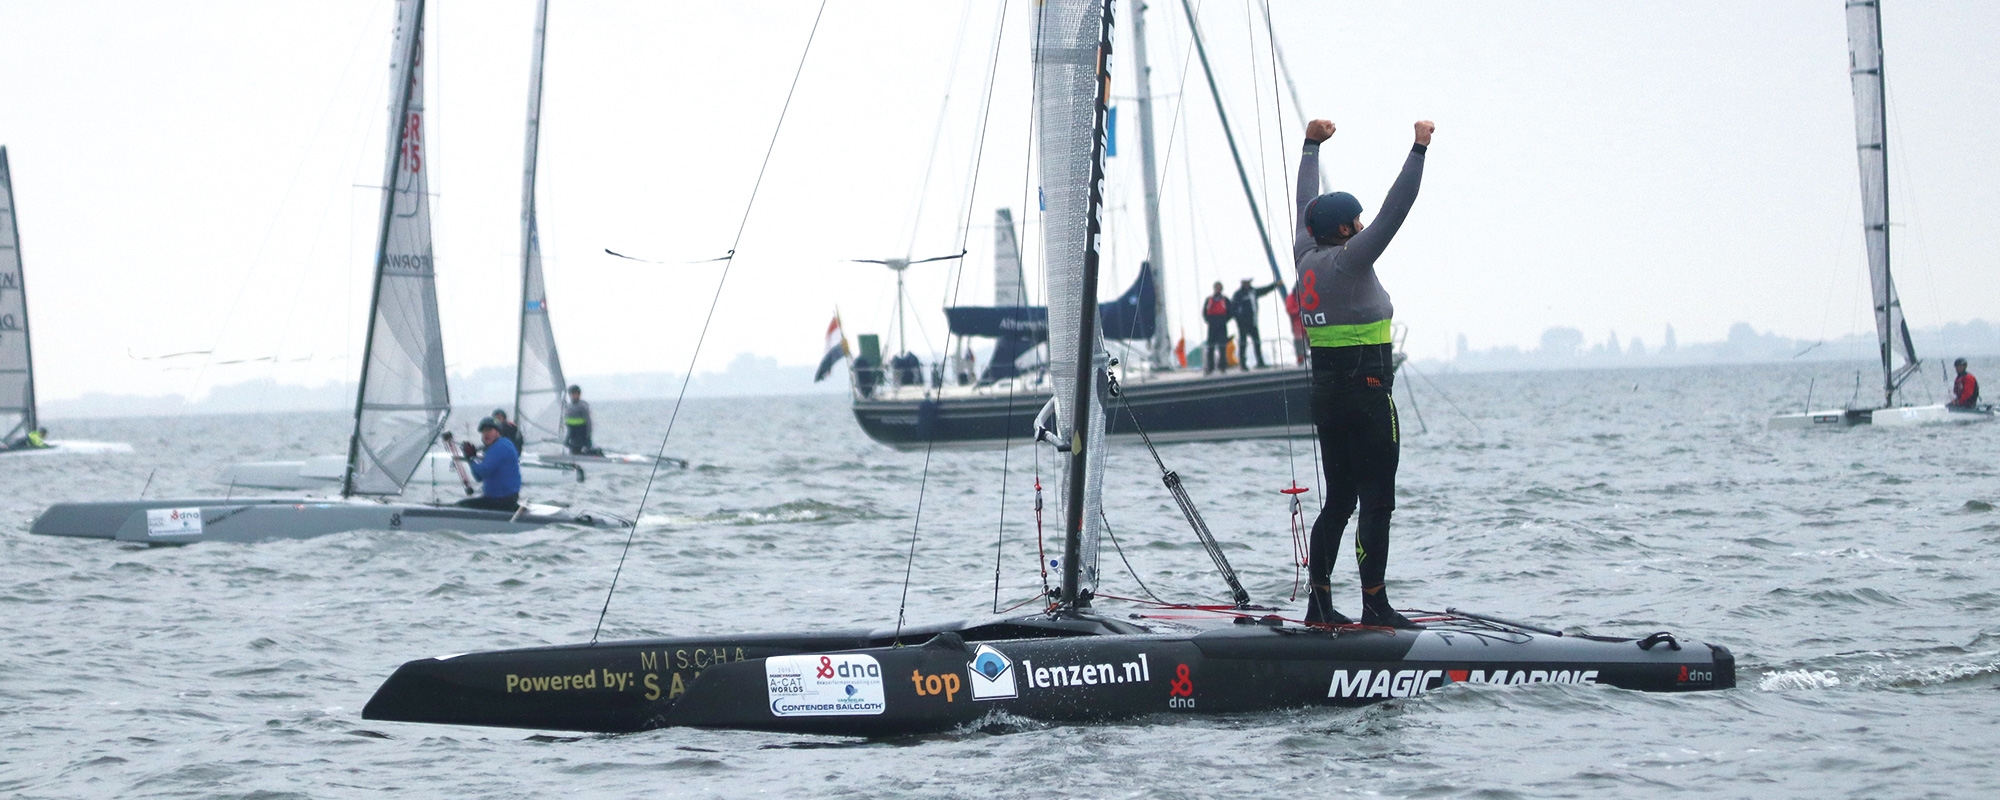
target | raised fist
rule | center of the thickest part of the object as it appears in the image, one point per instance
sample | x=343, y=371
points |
x=1424, y=129
x=1319, y=130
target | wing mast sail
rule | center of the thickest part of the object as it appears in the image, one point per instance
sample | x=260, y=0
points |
x=1072, y=63
x=538, y=377
x=403, y=400
x=1871, y=133
x=17, y=359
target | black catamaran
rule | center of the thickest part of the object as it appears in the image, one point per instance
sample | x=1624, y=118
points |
x=399, y=410
x=1892, y=331
x=1069, y=662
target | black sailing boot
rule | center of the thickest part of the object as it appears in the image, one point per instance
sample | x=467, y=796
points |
x=1375, y=610
x=1319, y=606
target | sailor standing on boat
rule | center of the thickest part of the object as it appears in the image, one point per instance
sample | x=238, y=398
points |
x=498, y=470
x=1215, y=312
x=1243, y=305
x=576, y=418
x=1964, y=388
x=1346, y=315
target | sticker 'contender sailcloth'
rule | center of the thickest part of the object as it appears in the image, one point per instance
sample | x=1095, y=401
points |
x=824, y=686
x=403, y=399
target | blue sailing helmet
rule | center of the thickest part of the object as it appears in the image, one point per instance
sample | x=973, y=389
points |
x=1327, y=212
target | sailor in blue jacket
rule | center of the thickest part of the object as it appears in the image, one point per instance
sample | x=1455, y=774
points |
x=498, y=470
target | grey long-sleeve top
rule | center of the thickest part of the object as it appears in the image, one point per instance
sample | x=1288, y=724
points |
x=1341, y=301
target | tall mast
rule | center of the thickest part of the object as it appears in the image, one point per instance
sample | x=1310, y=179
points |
x=1242, y=174
x=1149, y=177
x=409, y=51
x=1871, y=132
x=1086, y=366
x=528, y=233
x=16, y=281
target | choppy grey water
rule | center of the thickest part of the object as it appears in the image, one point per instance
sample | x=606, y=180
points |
x=1853, y=573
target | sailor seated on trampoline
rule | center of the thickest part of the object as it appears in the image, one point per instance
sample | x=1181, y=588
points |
x=38, y=439
x=1964, y=388
x=498, y=470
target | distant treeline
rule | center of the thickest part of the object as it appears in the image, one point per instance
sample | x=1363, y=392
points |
x=1567, y=348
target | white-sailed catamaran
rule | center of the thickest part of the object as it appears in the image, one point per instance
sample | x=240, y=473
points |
x=20, y=425
x=539, y=386
x=402, y=403
x=1067, y=662
x=1899, y=355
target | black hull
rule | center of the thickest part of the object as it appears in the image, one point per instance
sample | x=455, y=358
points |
x=1261, y=404
x=857, y=683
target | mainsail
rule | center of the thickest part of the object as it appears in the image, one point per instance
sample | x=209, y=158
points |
x=403, y=399
x=538, y=381
x=17, y=363
x=1871, y=133
x=1072, y=51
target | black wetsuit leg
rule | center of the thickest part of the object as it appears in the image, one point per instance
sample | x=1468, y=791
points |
x=508, y=503
x=1360, y=443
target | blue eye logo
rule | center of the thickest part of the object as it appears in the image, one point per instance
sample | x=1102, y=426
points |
x=990, y=664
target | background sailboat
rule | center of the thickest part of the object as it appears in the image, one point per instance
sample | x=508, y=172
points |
x=402, y=403
x=539, y=386
x=1172, y=403
x=18, y=417
x=1871, y=132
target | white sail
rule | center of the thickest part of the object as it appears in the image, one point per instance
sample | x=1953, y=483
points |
x=1009, y=288
x=403, y=400
x=538, y=381
x=1871, y=133
x=1068, y=45
x=17, y=364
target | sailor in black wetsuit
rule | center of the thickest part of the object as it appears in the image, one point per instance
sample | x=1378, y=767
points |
x=1347, y=317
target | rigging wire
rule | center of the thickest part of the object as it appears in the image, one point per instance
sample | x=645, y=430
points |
x=741, y=224
x=964, y=233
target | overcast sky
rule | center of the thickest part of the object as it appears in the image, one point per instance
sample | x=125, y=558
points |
x=195, y=176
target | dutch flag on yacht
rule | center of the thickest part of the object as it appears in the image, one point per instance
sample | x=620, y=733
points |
x=836, y=349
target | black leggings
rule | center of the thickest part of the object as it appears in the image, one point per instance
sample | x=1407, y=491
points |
x=508, y=503
x=1360, y=444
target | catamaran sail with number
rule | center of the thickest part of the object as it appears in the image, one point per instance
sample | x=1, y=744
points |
x=1069, y=662
x=1899, y=355
x=402, y=403
x=20, y=425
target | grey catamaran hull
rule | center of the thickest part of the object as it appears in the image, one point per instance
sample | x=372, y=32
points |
x=1092, y=668
x=185, y=521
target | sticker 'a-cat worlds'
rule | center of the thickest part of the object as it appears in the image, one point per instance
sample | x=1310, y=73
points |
x=824, y=686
